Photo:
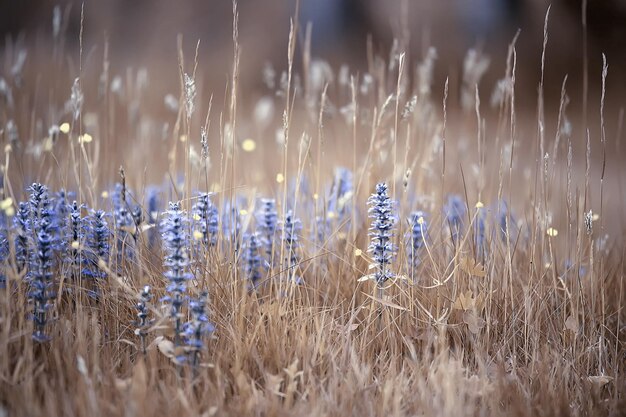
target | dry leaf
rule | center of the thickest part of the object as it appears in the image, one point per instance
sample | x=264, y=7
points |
x=272, y=383
x=166, y=347
x=467, y=301
x=463, y=301
x=366, y=278
x=472, y=267
x=82, y=366
x=474, y=323
x=600, y=380
x=292, y=371
x=572, y=324
x=129, y=229
x=210, y=412
x=386, y=303
x=348, y=328
x=122, y=384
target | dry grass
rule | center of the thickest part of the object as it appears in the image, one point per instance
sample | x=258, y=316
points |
x=531, y=325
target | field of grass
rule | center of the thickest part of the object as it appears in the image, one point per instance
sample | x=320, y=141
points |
x=354, y=241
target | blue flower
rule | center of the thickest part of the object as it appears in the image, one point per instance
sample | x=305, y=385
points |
x=267, y=223
x=60, y=212
x=136, y=213
x=39, y=200
x=455, y=210
x=175, y=244
x=41, y=282
x=41, y=260
x=381, y=211
x=206, y=219
x=340, y=193
x=418, y=230
x=291, y=228
x=122, y=211
x=196, y=330
x=231, y=223
x=323, y=232
x=76, y=230
x=98, y=246
x=479, y=233
x=506, y=223
x=143, y=322
x=99, y=234
x=154, y=205
x=252, y=260
x=127, y=219
x=22, y=235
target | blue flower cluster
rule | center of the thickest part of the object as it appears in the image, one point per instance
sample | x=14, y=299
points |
x=291, y=229
x=418, y=231
x=267, y=224
x=196, y=330
x=206, y=220
x=338, y=215
x=49, y=237
x=455, y=211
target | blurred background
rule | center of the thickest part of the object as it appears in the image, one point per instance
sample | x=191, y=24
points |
x=144, y=32
x=141, y=113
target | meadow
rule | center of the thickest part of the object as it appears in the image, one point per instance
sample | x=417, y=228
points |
x=353, y=241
